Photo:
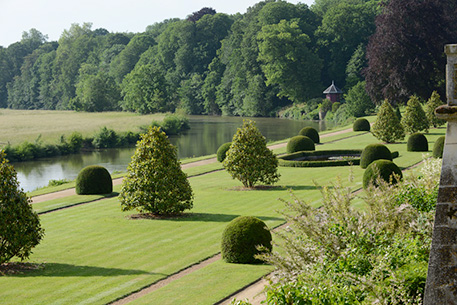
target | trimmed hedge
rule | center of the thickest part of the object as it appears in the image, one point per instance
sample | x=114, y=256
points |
x=382, y=168
x=222, y=151
x=94, y=179
x=300, y=143
x=290, y=160
x=361, y=124
x=439, y=147
x=417, y=142
x=374, y=152
x=311, y=133
x=241, y=237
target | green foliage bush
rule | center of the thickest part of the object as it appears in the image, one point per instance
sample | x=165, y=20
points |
x=155, y=182
x=417, y=142
x=222, y=151
x=414, y=118
x=374, y=152
x=335, y=106
x=249, y=159
x=387, y=126
x=381, y=169
x=300, y=143
x=438, y=147
x=433, y=102
x=311, y=133
x=339, y=254
x=361, y=124
x=241, y=238
x=173, y=124
x=20, y=228
x=358, y=101
x=105, y=138
x=94, y=179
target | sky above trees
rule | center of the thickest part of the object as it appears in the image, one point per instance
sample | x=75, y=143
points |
x=52, y=17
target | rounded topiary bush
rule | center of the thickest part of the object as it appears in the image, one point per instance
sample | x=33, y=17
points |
x=439, y=147
x=417, y=142
x=361, y=124
x=374, y=152
x=311, y=133
x=241, y=237
x=385, y=169
x=300, y=143
x=94, y=179
x=222, y=151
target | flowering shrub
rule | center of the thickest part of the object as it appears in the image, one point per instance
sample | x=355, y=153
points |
x=339, y=254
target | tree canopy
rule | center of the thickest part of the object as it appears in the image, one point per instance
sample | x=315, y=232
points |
x=253, y=64
x=405, y=55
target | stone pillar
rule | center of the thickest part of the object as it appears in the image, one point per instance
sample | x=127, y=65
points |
x=441, y=285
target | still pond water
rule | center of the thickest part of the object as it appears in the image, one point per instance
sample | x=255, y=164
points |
x=204, y=137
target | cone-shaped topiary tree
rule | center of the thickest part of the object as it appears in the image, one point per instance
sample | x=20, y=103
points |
x=155, y=182
x=414, y=118
x=433, y=102
x=249, y=159
x=387, y=126
x=20, y=228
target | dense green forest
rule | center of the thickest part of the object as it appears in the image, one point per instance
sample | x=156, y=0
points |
x=252, y=64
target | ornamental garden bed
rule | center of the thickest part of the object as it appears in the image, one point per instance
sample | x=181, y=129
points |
x=323, y=158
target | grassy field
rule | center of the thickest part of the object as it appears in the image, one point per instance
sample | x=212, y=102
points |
x=24, y=125
x=93, y=253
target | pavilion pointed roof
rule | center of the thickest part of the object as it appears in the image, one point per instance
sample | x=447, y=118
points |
x=333, y=89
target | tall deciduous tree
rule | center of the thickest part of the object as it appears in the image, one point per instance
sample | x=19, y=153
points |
x=145, y=90
x=346, y=24
x=387, y=126
x=20, y=228
x=414, y=118
x=405, y=55
x=95, y=93
x=249, y=159
x=288, y=62
x=155, y=182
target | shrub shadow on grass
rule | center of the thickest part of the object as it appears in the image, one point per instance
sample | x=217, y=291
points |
x=58, y=270
x=270, y=188
x=203, y=217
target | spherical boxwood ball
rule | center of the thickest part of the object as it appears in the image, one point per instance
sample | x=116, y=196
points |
x=311, y=133
x=382, y=168
x=241, y=237
x=94, y=179
x=361, y=125
x=438, y=147
x=300, y=143
x=374, y=152
x=222, y=151
x=417, y=142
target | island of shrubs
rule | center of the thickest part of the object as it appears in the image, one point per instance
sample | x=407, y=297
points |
x=105, y=138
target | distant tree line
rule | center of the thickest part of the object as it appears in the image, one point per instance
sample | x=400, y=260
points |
x=252, y=64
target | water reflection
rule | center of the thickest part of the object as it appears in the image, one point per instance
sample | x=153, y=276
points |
x=205, y=136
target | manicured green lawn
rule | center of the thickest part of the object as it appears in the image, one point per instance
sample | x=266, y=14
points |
x=94, y=254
